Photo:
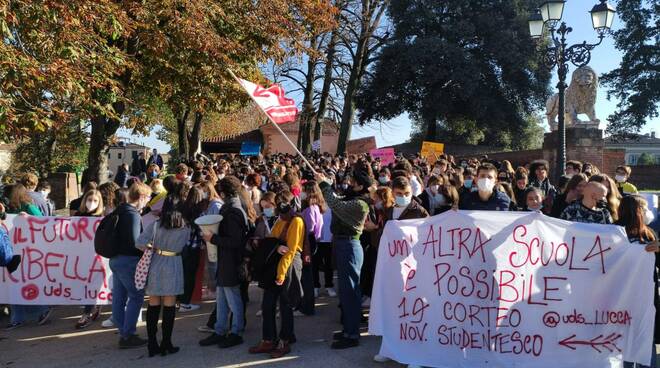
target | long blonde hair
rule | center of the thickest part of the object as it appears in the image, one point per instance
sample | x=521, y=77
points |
x=83, y=204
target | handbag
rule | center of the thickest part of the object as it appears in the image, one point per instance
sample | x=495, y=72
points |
x=142, y=269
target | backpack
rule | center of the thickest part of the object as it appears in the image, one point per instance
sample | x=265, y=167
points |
x=107, y=236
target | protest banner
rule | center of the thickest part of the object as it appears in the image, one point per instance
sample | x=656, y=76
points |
x=360, y=145
x=386, y=155
x=432, y=150
x=59, y=265
x=316, y=146
x=479, y=289
x=250, y=148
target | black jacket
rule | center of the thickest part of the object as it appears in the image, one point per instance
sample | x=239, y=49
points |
x=231, y=240
x=129, y=228
x=138, y=167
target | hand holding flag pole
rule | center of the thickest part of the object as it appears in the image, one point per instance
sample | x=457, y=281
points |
x=278, y=108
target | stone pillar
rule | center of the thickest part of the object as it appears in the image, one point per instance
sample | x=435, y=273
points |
x=64, y=189
x=582, y=144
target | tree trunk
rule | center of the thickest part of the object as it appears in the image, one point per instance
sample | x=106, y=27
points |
x=327, y=82
x=348, y=111
x=431, y=129
x=182, y=133
x=103, y=128
x=307, y=115
x=194, y=138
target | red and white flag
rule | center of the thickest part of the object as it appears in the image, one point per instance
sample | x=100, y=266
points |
x=273, y=101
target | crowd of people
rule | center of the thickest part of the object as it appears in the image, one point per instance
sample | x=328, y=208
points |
x=283, y=224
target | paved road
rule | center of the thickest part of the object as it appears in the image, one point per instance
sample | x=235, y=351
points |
x=58, y=344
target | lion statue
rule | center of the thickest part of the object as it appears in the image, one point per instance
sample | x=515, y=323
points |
x=580, y=99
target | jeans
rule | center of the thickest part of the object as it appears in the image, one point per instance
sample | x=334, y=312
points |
x=635, y=365
x=349, y=256
x=322, y=261
x=269, y=312
x=228, y=299
x=126, y=299
x=20, y=313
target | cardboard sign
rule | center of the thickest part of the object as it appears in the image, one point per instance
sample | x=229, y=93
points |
x=250, y=149
x=432, y=150
x=386, y=155
x=511, y=289
x=361, y=145
x=59, y=265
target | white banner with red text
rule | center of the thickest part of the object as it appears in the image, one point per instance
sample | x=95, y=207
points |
x=505, y=290
x=59, y=265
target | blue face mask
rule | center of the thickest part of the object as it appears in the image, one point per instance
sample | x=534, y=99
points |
x=383, y=180
x=154, y=174
x=402, y=201
x=468, y=183
x=269, y=212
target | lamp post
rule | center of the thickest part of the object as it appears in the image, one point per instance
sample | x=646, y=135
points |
x=559, y=54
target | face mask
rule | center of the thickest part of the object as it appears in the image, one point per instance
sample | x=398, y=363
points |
x=91, y=206
x=344, y=186
x=402, y=201
x=620, y=178
x=379, y=205
x=45, y=194
x=383, y=180
x=283, y=208
x=463, y=164
x=269, y=212
x=303, y=196
x=569, y=176
x=485, y=185
x=154, y=174
x=437, y=171
x=536, y=209
x=435, y=188
x=221, y=176
x=648, y=216
x=468, y=183
x=205, y=195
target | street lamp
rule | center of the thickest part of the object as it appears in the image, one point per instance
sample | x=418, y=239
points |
x=559, y=54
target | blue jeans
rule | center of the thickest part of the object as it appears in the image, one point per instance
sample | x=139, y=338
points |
x=228, y=299
x=635, y=365
x=349, y=257
x=126, y=299
x=20, y=313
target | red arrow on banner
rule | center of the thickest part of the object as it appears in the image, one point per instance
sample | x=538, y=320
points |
x=595, y=343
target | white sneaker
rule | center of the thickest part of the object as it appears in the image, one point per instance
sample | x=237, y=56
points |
x=381, y=358
x=259, y=313
x=366, y=302
x=316, y=292
x=331, y=292
x=297, y=313
x=108, y=323
x=188, y=308
x=206, y=329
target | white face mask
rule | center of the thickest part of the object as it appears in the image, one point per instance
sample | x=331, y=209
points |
x=45, y=193
x=620, y=178
x=648, y=216
x=205, y=195
x=485, y=184
x=91, y=205
x=303, y=196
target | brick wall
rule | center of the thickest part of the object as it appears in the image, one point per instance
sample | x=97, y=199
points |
x=646, y=177
x=612, y=157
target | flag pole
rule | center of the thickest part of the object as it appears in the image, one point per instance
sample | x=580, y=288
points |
x=274, y=123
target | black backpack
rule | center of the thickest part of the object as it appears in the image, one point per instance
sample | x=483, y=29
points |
x=107, y=236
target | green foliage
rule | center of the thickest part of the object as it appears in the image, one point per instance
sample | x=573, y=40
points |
x=636, y=82
x=62, y=150
x=459, y=61
x=646, y=159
